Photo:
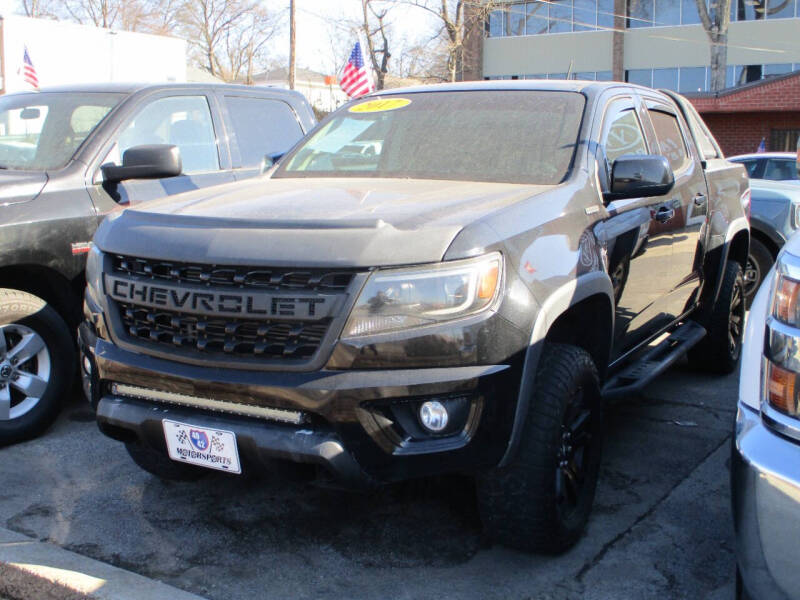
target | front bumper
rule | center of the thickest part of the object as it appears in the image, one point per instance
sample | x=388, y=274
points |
x=765, y=485
x=349, y=415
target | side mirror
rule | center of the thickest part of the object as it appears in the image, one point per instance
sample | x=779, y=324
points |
x=152, y=161
x=640, y=176
x=270, y=160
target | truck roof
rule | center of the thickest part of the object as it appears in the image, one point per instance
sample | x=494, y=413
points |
x=562, y=85
x=130, y=88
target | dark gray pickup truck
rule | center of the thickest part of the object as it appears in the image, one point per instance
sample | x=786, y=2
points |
x=68, y=156
x=438, y=279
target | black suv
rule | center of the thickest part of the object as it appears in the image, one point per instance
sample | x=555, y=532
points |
x=438, y=279
x=68, y=156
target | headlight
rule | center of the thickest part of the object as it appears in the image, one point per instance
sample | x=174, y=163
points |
x=406, y=298
x=781, y=369
x=795, y=215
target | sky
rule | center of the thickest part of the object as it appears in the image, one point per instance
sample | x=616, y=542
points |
x=317, y=23
x=321, y=32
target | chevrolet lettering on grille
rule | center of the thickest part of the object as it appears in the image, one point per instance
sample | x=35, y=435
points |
x=210, y=302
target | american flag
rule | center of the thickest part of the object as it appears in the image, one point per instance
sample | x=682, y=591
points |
x=356, y=79
x=28, y=72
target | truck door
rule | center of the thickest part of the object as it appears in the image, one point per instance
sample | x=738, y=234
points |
x=185, y=120
x=259, y=128
x=689, y=199
x=638, y=248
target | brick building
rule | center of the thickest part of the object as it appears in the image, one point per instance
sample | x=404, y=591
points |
x=741, y=117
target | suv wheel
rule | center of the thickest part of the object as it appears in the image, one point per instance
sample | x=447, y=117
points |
x=719, y=351
x=161, y=465
x=541, y=502
x=759, y=262
x=37, y=363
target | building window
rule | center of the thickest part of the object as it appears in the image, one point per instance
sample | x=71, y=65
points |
x=515, y=19
x=692, y=79
x=665, y=79
x=560, y=16
x=640, y=13
x=754, y=10
x=496, y=18
x=668, y=12
x=783, y=140
x=536, y=20
x=584, y=15
x=640, y=76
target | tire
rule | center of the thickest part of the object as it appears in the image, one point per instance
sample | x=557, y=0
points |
x=37, y=365
x=530, y=504
x=161, y=465
x=719, y=351
x=759, y=262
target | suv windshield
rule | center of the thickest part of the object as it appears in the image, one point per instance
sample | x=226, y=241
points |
x=503, y=136
x=42, y=131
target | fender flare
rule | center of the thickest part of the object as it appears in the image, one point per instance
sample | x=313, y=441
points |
x=736, y=226
x=556, y=304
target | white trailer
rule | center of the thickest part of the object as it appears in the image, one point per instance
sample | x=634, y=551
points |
x=68, y=53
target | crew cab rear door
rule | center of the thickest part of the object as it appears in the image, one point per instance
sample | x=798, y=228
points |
x=669, y=136
x=638, y=248
x=260, y=129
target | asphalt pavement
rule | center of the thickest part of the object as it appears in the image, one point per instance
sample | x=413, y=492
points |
x=661, y=526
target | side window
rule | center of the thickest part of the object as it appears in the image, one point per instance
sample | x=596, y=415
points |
x=702, y=136
x=751, y=166
x=670, y=139
x=184, y=121
x=262, y=126
x=780, y=170
x=622, y=133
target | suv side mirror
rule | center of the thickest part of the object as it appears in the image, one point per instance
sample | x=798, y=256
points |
x=151, y=161
x=270, y=160
x=640, y=176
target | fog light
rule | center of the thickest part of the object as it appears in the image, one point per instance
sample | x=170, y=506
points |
x=433, y=416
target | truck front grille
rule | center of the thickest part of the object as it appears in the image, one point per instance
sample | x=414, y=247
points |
x=224, y=336
x=265, y=278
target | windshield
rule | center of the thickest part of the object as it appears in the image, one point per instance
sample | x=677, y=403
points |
x=497, y=136
x=39, y=132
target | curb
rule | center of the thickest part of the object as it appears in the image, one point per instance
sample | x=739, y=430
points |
x=33, y=569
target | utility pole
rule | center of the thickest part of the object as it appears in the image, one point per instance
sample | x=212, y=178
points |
x=292, y=54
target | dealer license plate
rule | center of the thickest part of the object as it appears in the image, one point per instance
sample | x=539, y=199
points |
x=201, y=446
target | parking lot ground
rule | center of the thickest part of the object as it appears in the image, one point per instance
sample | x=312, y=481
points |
x=661, y=525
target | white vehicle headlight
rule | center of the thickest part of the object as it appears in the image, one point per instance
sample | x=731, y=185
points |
x=406, y=298
x=781, y=371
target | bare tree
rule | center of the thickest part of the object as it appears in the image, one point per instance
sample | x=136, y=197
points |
x=457, y=20
x=227, y=35
x=376, y=33
x=38, y=8
x=716, y=25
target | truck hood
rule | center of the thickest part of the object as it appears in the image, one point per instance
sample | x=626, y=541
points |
x=313, y=222
x=20, y=186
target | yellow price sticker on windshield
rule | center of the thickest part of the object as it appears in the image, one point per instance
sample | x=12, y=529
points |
x=380, y=105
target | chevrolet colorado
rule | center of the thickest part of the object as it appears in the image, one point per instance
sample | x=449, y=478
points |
x=438, y=279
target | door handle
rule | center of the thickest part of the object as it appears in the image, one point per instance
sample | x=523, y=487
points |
x=699, y=199
x=664, y=214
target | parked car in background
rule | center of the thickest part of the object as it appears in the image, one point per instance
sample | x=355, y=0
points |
x=773, y=166
x=765, y=471
x=774, y=211
x=68, y=156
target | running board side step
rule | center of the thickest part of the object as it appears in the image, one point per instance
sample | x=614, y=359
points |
x=654, y=362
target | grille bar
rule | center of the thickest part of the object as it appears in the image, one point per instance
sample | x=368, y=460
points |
x=233, y=276
x=270, y=339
